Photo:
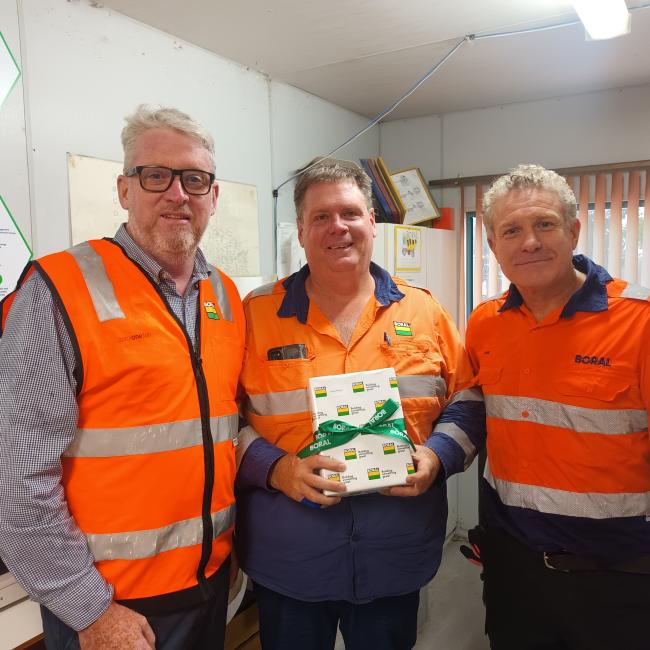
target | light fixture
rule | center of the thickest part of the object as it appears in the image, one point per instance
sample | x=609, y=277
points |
x=603, y=18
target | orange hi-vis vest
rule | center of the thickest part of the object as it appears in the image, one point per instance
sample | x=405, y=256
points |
x=567, y=417
x=414, y=336
x=149, y=476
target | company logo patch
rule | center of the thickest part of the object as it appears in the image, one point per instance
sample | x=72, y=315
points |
x=410, y=468
x=373, y=473
x=350, y=454
x=402, y=329
x=389, y=448
x=320, y=391
x=393, y=382
x=593, y=361
x=358, y=387
x=343, y=409
x=210, y=310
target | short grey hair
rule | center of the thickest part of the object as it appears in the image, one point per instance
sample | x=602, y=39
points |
x=145, y=118
x=530, y=176
x=330, y=170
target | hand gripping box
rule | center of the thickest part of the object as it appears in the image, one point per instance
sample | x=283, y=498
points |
x=373, y=461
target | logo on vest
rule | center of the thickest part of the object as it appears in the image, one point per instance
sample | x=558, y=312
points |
x=210, y=310
x=593, y=361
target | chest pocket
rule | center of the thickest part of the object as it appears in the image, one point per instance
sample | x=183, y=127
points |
x=605, y=387
x=489, y=378
x=419, y=356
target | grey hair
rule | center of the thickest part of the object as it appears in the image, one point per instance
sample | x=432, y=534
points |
x=331, y=170
x=530, y=176
x=145, y=118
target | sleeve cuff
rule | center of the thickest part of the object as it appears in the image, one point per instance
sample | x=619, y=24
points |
x=256, y=464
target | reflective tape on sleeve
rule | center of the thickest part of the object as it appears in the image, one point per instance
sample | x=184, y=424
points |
x=458, y=435
x=421, y=386
x=149, y=439
x=467, y=395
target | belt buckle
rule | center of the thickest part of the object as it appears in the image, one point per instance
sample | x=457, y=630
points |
x=548, y=565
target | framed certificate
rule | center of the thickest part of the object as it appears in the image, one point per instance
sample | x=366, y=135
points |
x=413, y=190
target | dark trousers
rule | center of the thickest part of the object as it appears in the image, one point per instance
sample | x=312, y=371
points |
x=532, y=607
x=199, y=628
x=383, y=624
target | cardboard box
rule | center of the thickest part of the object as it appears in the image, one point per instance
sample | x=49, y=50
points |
x=373, y=462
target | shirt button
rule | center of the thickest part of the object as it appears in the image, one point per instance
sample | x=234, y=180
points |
x=525, y=414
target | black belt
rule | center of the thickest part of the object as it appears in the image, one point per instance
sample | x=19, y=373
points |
x=568, y=562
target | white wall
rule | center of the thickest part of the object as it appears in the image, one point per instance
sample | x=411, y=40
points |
x=303, y=127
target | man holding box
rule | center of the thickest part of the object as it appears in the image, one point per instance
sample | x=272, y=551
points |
x=321, y=561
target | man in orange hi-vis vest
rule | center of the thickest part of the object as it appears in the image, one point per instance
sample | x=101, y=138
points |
x=119, y=362
x=359, y=562
x=563, y=358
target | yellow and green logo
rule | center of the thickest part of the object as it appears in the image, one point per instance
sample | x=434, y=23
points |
x=402, y=329
x=350, y=454
x=210, y=310
x=389, y=448
x=334, y=477
x=379, y=404
x=342, y=410
x=410, y=468
x=393, y=382
x=320, y=391
x=373, y=473
x=358, y=387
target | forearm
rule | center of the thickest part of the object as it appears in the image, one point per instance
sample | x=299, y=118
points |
x=39, y=540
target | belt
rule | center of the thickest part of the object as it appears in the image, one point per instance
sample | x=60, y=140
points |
x=568, y=562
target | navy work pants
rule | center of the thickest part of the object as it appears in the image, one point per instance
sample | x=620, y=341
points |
x=382, y=624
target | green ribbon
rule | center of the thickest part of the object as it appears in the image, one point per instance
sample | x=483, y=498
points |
x=334, y=433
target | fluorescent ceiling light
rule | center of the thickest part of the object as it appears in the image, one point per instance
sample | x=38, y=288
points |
x=603, y=18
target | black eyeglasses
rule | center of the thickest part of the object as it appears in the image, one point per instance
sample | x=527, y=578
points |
x=159, y=179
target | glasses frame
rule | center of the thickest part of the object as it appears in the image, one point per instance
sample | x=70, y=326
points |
x=137, y=171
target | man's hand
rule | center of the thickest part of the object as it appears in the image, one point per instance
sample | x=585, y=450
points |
x=118, y=628
x=298, y=478
x=427, y=466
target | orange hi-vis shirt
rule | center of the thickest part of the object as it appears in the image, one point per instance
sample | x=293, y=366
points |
x=566, y=403
x=149, y=477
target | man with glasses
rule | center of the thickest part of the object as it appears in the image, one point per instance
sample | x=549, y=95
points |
x=119, y=361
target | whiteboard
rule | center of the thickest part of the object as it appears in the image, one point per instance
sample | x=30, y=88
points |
x=231, y=240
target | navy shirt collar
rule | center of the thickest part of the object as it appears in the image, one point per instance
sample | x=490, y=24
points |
x=296, y=302
x=590, y=297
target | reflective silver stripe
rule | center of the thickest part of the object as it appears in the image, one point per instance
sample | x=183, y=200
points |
x=467, y=395
x=220, y=293
x=97, y=282
x=421, y=386
x=556, y=414
x=149, y=439
x=264, y=290
x=140, y=544
x=245, y=437
x=458, y=435
x=594, y=505
x=635, y=291
x=281, y=403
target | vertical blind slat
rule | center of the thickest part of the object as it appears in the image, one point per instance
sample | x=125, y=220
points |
x=583, y=214
x=478, y=246
x=645, y=279
x=632, y=233
x=615, y=226
x=599, y=220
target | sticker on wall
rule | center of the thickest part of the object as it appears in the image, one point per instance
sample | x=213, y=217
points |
x=14, y=251
x=9, y=70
